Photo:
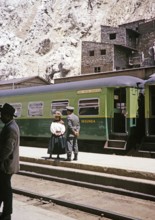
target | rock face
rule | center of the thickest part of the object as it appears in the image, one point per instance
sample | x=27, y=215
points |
x=43, y=37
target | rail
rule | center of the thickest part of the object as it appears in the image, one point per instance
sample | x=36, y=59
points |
x=90, y=186
x=72, y=205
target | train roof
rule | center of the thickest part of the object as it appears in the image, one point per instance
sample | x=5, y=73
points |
x=116, y=81
x=150, y=81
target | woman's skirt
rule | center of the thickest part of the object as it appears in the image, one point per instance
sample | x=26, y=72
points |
x=57, y=145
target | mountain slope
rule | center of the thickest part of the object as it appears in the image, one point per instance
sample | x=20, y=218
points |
x=43, y=37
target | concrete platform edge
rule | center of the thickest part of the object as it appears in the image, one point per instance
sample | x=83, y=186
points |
x=95, y=168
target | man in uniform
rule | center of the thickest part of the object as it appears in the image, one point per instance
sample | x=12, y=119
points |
x=9, y=158
x=72, y=132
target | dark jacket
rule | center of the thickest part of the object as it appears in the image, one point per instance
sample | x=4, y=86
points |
x=9, y=148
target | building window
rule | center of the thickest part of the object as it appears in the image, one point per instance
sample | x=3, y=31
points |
x=89, y=106
x=112, y=36
x=35, y=109
x=91, y=53
x=97, y=69
x=59, y=106
x=103, y=52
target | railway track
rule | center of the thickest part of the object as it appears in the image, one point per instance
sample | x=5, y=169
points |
x=36, y=183
x=90, y=186
x=80, y=207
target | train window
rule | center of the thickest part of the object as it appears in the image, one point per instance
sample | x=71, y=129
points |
x=59, y=106
x=89, y=107
x=35, y=109
x=18, y=108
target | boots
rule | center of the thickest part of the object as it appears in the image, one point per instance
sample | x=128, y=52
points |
x=68, y=157
x=75, y=157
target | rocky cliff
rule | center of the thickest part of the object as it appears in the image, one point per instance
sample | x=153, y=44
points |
x=43, y=37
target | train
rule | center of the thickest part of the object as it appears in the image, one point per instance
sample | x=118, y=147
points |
x=148, y=138
x=108, y=109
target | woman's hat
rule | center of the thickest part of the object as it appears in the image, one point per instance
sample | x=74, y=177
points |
x=57, y=114
x=8, y=109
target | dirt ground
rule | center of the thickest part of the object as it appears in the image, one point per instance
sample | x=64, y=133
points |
x=125, y=205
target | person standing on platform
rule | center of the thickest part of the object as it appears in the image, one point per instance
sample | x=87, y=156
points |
x=9, y=158
x=57, y=140
x=72, y=133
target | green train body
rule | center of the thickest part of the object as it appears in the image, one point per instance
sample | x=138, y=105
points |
x=148, y=141
x=107, y=109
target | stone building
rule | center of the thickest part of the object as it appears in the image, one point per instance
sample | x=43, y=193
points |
x=126, y=46
x=147, y=41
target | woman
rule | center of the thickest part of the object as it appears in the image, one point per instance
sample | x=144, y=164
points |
x=57, y=141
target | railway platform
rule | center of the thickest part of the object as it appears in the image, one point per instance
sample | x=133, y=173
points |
x=136, y=177
x=111, y=164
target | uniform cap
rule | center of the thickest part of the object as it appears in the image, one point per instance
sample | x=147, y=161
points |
x=8, y=109
x=70, y=108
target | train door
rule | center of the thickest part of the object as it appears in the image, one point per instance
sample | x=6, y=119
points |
x=119, y=120
x=148, y=141
x=151, y=122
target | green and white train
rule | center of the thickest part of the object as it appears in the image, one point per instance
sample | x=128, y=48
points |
x=107, y=109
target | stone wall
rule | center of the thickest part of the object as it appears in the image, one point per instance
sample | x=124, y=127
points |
x=142, y=72
x=131, y=41
x=120, y=32
x=121, y=57
x=103, y=61
x=133, y=25
x=147, y=37
x=127, y=37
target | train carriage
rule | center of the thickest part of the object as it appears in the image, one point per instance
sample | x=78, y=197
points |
x=148, y=141
x=107, y=109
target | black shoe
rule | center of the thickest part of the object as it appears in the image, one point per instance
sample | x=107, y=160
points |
x=75, y=158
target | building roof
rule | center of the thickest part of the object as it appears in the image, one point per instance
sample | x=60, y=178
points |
x=133, y=31
x=21, y=80
x=126, y=47
x=150, y=81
